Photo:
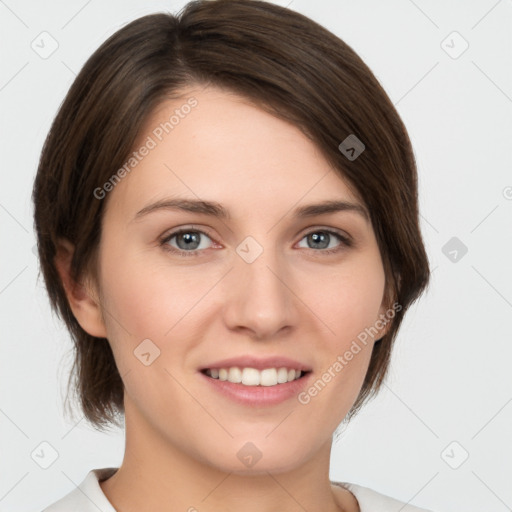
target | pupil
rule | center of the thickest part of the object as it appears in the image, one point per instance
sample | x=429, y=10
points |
x=189, y=239
x=322, y=239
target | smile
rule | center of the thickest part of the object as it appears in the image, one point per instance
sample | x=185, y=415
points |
x=251, y=387
x=254, y=377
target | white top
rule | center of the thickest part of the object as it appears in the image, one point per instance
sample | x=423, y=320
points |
x=89, y=497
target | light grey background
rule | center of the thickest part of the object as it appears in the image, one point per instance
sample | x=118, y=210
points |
x=450, y=375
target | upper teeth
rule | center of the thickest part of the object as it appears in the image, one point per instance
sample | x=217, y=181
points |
x=254, y=377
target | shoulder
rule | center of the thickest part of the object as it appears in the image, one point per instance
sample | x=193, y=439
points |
x=373, y=501
x=87, y=497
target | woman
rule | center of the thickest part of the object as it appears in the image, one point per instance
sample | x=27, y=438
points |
x=227, y=220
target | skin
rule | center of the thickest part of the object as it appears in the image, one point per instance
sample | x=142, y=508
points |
x=294, y=300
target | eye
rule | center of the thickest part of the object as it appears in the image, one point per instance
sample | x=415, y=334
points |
x=322, y=238
x=188, y=241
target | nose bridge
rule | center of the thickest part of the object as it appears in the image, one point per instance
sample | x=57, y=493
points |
x=261, y=301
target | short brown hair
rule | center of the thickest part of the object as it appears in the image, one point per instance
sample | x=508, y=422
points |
x=283, y=62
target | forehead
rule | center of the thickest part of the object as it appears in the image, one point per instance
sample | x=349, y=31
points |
x=214, y=144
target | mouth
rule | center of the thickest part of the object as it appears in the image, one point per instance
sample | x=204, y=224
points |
x=253, y=377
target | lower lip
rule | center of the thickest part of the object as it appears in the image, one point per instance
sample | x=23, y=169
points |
x=258, y=395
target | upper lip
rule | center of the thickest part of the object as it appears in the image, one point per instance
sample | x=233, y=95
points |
x=259, y=363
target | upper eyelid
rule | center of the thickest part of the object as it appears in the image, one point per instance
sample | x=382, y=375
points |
x=187, y=229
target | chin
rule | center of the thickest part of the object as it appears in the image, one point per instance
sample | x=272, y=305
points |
x=256, y=457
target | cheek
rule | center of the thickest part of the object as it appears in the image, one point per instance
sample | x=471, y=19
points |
x=350, y=298
x=147, y=298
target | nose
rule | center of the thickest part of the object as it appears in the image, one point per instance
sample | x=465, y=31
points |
x=261, y=298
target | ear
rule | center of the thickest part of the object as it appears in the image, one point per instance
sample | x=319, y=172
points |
x=383, y=323
x=82, y=298
x=387, y=312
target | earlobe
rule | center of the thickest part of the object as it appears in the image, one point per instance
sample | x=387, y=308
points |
x=382, y=324
x=83, y=300
x=386, y=314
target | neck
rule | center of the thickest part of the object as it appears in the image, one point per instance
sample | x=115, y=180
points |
x=172, y=479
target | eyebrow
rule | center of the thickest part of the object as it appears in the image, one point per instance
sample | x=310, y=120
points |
x=215, y=209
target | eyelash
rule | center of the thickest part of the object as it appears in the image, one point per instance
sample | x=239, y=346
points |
x=196, y=252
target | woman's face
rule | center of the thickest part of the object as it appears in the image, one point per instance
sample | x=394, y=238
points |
x=262, y=282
